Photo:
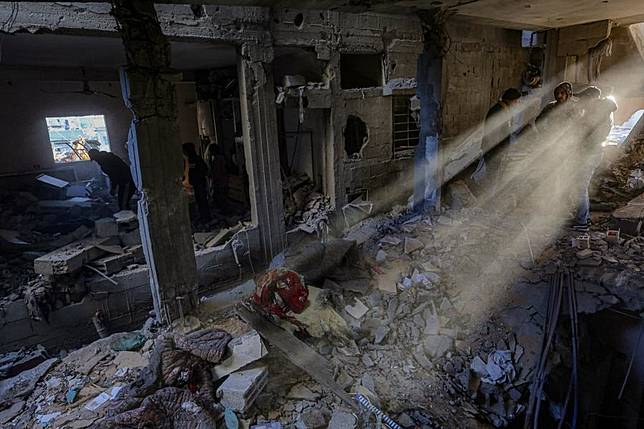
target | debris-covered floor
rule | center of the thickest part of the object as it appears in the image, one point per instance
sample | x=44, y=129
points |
x=439, y=321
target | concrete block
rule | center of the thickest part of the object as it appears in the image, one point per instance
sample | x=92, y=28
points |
x=138, y=256
x=243, y=350
x=69, y=258
x=240, y=390
x=13, y=311
x=131, y=238
x=106, y=227
x=115, y=263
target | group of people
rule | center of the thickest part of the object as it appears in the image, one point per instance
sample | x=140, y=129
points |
x=122, y=185
x=568, y=132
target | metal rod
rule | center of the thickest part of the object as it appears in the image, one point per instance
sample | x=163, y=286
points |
x=100, y=273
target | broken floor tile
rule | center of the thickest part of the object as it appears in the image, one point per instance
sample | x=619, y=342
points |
x=244, y=350
x=300, y=391
x=357, y=310
x=342, y=420
x=412, y=245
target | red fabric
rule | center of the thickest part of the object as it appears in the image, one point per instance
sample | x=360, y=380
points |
x=280, y=292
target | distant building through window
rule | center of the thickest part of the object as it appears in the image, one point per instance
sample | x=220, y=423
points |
x=405, y=129
x=71, y=137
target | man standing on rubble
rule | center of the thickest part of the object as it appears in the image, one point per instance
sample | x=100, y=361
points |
x=497, y=132
x=559, y=133
x=597, y=122
x=119, y=174
x=196, y=174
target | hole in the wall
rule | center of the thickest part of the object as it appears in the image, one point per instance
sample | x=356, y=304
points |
x=299, y=21
x=353, y=195
x=276, y=21
x=360, y=70
x=436, y=3
x=321, y=15
x=198, y=10
x=355, y=137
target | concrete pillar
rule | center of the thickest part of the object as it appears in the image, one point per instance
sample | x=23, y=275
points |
x=261, y=146
x=149, y=92
x=427, y=174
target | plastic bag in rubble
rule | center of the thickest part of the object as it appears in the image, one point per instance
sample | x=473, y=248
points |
x=499, y=367
x=635, y=180
x=132, y=341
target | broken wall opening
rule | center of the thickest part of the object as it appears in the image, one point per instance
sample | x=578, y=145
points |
x=360, y=70
x=356, y=136
x=303, y=115
x=221, y=143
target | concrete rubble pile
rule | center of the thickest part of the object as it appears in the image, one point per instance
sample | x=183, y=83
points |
x=189, y=377
x=29, y=230
x=304, y=208
x=51, y=231
x=114, y=245
x=618, y=179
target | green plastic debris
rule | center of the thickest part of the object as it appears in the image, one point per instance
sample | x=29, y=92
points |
x=130, y=342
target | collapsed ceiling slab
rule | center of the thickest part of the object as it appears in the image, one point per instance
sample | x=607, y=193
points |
x=522, y=14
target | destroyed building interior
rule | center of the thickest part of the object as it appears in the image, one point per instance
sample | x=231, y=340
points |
x=322, y=214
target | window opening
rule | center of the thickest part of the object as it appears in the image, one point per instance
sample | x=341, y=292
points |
x=405, y=129
x=71, y=137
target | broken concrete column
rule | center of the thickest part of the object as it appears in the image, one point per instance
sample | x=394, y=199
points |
x=261, y=148
x=427, y=172
x=149, y=89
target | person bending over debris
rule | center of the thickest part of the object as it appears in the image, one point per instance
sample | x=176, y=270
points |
x=119, y=173
x=197, y=175
x=598, y=121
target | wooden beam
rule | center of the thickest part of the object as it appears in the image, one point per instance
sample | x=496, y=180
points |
x=298, y=352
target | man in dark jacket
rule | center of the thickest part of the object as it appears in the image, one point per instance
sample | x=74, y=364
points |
x=197, y=172
x=497, y=130
x=559, y=112
x=119, y=174
x=596, y=123
x=498, y=121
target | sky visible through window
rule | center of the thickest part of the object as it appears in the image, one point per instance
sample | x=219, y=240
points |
x=71, y=137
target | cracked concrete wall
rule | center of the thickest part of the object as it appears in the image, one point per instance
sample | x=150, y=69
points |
x=26, y=148
x=329, y=33
x=482, y=62
x=377, y=170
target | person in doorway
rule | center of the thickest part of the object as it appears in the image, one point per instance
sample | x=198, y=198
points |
x=119, y=174
x=218, y=175
x=497, y=131
x=597, y=122
x=196, y=173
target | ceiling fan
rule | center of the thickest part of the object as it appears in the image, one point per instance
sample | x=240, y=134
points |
x=87, y=90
